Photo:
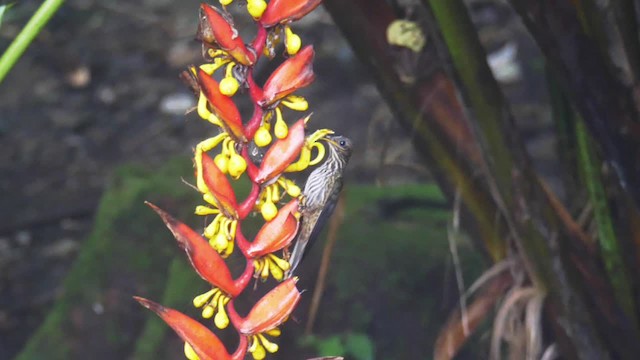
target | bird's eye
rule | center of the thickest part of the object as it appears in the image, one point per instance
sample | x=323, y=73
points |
x=343, y=143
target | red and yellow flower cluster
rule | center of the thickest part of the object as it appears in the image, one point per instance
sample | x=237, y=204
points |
x=263, y=149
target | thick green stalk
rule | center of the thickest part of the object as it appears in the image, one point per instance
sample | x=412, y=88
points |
x=543, y=230
x=562, y=115
x=428, y=108
x=609, y=246
x=480, y=88
x=26, y=36
x=583, y=72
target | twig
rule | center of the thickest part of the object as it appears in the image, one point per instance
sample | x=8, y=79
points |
x=453, y=231
x=332, y=237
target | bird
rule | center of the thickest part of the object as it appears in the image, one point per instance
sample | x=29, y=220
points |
x=320, y=196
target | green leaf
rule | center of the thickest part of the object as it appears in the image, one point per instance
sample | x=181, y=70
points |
x=360, y=346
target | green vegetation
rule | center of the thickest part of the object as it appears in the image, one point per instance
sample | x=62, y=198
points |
x=383, y=275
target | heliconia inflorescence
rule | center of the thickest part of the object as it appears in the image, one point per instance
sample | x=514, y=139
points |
x=264, y=149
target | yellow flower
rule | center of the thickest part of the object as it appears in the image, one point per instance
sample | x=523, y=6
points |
x=260, y=345
x=213, y=303
x=270, y=264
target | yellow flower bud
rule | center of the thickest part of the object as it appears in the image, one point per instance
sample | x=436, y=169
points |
x=268, y=211
x=271, y=347
x=211, y=229
x=229, y=86
x=275, y=194
x=259, y=353
x=276, y=272
x=225, y=2
x=204, y=210
x=189, y=352
x=297, y=103
x=293, y=190
x=220, y=242
x=262, y=137
x=222, y=162
x=237, y=165
x=221, y=319
x=264, y=275
x=207, y=312
x=280, y=129
x=256, y=8
x=292, y=42
x=202, y=299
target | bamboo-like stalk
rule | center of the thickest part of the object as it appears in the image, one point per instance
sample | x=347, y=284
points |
x=545, y=223
x=606, y=105
x=430, y=111
x=543, y=228
x=492, y=116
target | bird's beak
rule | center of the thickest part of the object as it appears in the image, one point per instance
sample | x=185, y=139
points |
x=330, y=140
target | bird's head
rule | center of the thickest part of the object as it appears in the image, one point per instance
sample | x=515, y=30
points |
x=341, y=144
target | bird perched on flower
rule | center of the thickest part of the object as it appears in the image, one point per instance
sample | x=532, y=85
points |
x=320, y=196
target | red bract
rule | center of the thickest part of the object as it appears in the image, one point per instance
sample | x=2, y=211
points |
x=216, y=29
x=204, y=259
x=222, y=106
x=291, y=75
x=204, y=342
x=285, y=11
x=277, y=233
x=272, y=310
x=282, y=153
x=229, y=58
x=219, y=186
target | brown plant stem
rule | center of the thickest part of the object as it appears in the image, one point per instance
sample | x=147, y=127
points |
x=454, y=334
x=332, y=237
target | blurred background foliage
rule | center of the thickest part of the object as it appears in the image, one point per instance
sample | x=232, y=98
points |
x=491, y=206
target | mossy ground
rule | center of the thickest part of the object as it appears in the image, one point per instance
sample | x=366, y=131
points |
x=128, y=252
x=389, y=290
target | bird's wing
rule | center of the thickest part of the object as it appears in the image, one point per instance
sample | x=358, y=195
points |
x=325, y=215
x=300, y=250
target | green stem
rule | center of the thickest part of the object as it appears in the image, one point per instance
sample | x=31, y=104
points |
x=429, y=109
x=480, y=89
x=26, y=36
x=611, y=254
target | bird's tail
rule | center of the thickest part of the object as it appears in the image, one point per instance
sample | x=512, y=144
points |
x=296, y=257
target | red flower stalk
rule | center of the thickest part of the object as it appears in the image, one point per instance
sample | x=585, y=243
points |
x=290, y=151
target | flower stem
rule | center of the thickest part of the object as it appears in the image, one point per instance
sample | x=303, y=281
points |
x=26, y=36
